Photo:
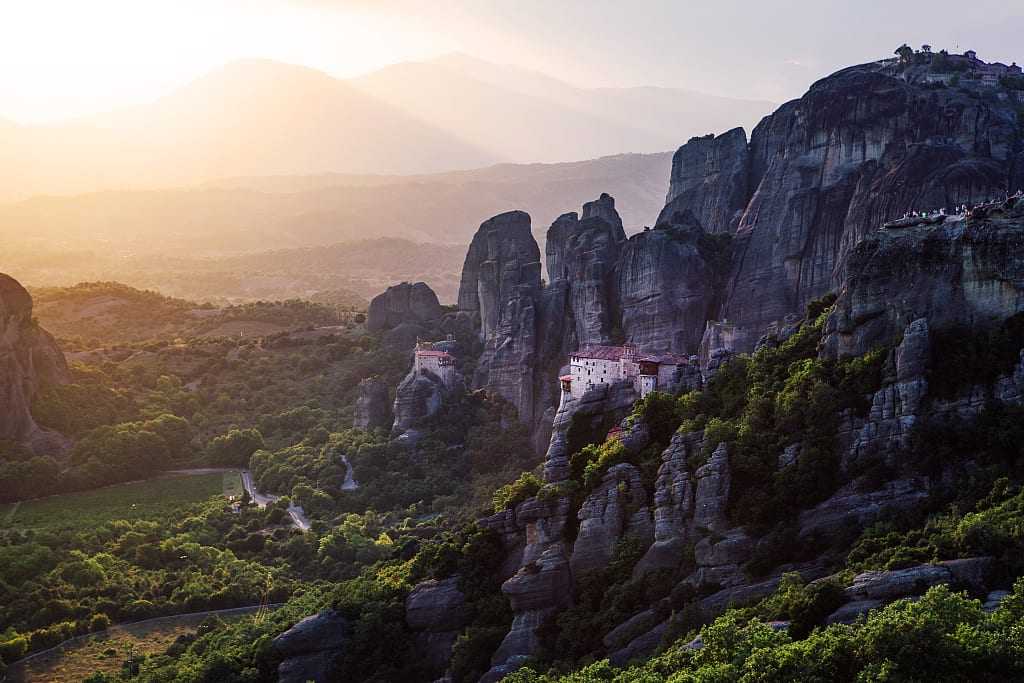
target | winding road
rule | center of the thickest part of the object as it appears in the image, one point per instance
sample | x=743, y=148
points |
x=296, y=512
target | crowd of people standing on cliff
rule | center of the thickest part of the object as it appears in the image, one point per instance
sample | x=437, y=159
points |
x=1008, y=201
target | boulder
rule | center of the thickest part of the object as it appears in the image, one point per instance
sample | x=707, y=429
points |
x=317, y=667
x=326, y=630
x=403, y=303
x=972, y=573
x=436, y=606
x=542, y=584
x=851, y=611
x=641, y=646
x=994, y=599
x=850, y=508
x=622, y=634
x=897, y=583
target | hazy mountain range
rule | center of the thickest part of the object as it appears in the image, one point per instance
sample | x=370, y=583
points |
x=304, y=236
x=267, y=118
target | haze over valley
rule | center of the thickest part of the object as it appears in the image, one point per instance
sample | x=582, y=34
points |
x=493, y=342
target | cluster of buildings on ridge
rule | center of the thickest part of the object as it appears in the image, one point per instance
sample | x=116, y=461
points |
x=949, y=69
x=588, y=367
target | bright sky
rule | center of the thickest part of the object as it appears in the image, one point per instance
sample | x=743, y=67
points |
x=64, y=58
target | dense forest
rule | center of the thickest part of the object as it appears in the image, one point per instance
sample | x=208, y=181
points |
x=412, y=519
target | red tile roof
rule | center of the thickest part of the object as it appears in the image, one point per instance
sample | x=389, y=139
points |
x=432, y=354
x=601, y=352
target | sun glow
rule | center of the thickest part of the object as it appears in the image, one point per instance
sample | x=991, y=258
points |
x=60, y=59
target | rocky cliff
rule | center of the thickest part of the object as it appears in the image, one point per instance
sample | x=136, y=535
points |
x=654, y=289
x=29, y=361
x=965, y=271
x=863, y=146
x=501, y=290
x=711, y=178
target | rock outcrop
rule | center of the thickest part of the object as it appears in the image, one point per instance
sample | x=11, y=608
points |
x=581, y=260
x=862, y=146
x=616, y=509
x=373, y=407
x=710, y=177
x=418, y=397
x=437, y=612
x=666, y=286
x=961, y=272
x=602, y=405
x=29, y=361
x=405, y=303
x=501, y=289
x=309, y=649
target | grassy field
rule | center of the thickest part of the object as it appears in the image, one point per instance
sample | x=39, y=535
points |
x=139, y=500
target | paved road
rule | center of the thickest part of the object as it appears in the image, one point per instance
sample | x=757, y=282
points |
x=296, y=512
x=17, y=671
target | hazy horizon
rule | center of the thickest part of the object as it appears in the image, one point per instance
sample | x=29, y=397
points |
x=114, y=53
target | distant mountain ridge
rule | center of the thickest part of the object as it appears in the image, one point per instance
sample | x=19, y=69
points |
x=242, y=215
x=261, y=118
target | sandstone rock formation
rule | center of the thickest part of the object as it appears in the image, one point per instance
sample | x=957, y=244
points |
x=710, y=177
x=29, y=361
x=417, y=397
x=960, y=272
x=437, y=612
x=373, y=409
x=403, y=303
x=862, y=146
x=666, y=286
x=501, y=289
x=616, y=509
x=581, y=260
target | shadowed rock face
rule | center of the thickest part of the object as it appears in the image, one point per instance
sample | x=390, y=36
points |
x=417, y=398
x=501, y=288
x=373, y=410
x=29, y=361
x=581, y=260
x=861, y=147
x=959, y=273
x=858, y=149
x=666, y=287
x=710, y=177
x=404, y=303
x=503, y=258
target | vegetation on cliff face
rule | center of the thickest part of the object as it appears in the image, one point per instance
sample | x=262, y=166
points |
x=944, y=636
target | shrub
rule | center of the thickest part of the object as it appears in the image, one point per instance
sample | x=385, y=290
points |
x=510, y=495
